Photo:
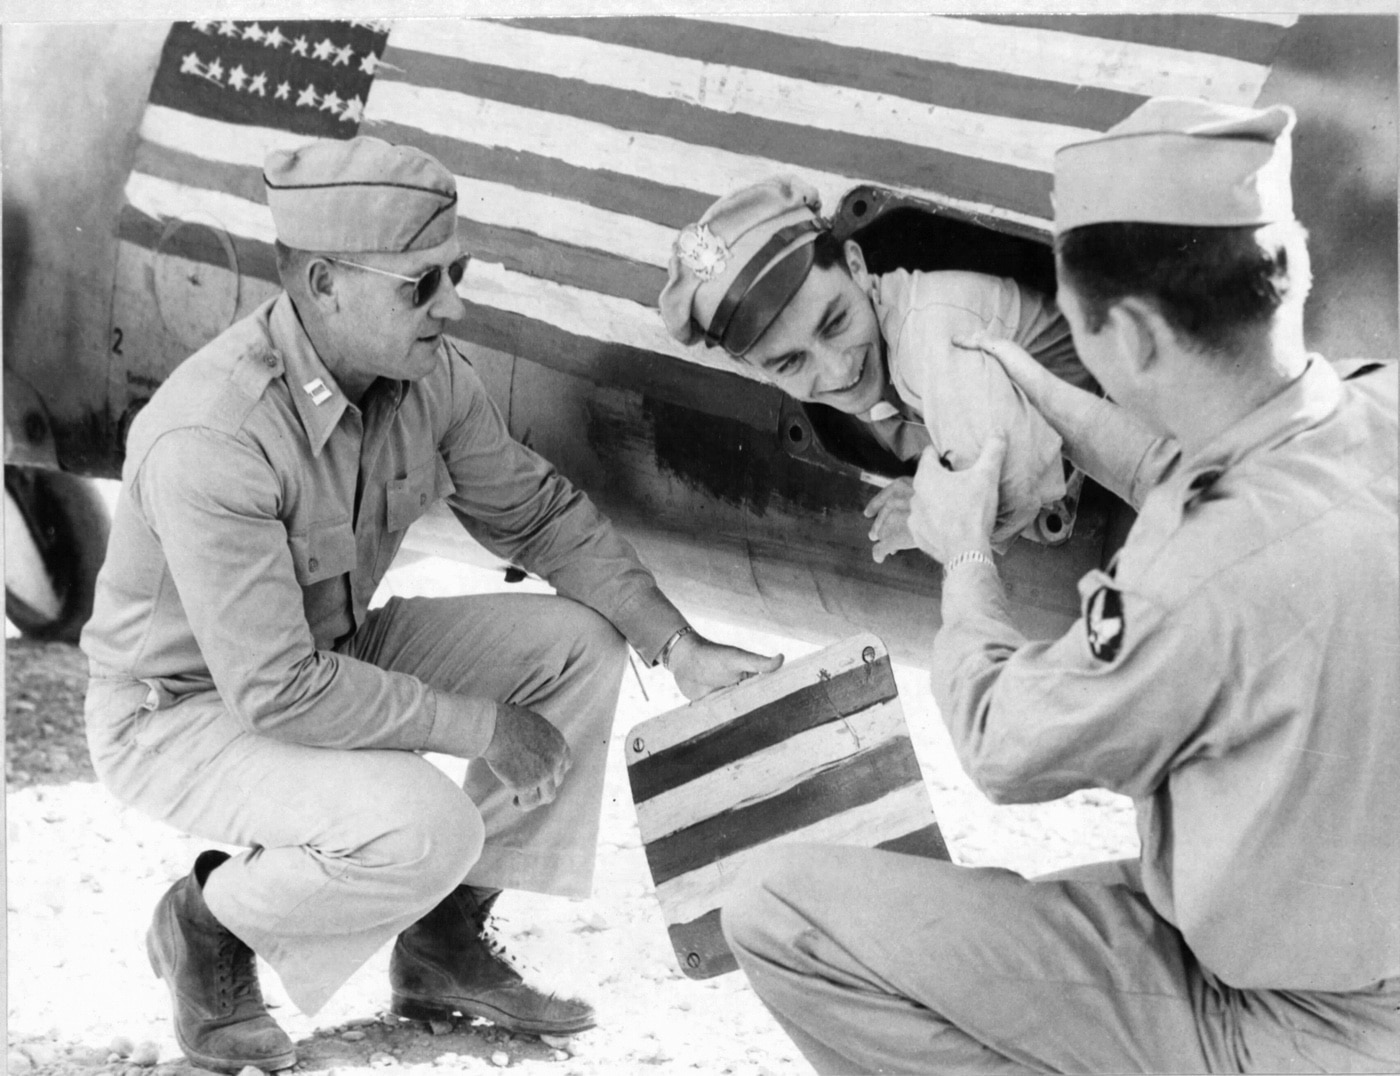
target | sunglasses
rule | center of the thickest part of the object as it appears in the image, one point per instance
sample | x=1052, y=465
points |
x=425, y=286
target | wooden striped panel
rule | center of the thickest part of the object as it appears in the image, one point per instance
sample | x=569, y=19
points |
x=817, y=751
x=580, y=145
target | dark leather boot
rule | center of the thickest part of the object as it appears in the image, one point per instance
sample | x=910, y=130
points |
x=447, y=963
x=221, y=1022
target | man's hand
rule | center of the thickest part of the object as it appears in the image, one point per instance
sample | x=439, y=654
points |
x=528, y=754
x=1014, y=359
x=953, y=511
x=890, y=508
x=701, y=666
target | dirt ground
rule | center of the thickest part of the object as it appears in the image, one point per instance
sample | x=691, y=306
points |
x=84, y=874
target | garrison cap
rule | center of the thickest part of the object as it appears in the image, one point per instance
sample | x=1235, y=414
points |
x=1180, y=160
x=734, y=269
x=360, y=195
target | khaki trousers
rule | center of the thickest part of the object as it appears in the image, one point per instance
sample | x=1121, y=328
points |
x=348, y=848
x=878, y=962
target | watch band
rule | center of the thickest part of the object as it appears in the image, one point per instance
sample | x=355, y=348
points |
x=967, y=556
x=665, y=656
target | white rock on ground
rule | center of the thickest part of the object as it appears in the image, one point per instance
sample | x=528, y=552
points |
x=84, y=874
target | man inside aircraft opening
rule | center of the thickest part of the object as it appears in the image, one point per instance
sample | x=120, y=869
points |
x=762, y=275
x=1234, y=672
x=244, y=691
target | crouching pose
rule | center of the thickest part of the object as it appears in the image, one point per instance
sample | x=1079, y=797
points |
x=1233, y=671
x=243, y=690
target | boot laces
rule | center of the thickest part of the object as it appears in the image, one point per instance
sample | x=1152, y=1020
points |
x=240, y=973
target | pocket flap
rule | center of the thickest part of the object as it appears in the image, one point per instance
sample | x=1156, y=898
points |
x=323, y=552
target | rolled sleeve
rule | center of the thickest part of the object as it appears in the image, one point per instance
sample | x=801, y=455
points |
x=1117, y=451
x=213, y=501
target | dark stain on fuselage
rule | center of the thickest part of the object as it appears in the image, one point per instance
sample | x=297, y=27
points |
x=741, y=465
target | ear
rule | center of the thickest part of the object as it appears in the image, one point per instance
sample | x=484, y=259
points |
x=855, y=262
x=322, y=284
x=1139, y=332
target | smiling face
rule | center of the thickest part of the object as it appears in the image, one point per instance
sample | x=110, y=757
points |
x=373, y=328
x=825, y=347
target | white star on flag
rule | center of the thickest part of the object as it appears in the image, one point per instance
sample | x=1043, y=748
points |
x=228, y=29
x=308, y=96
x=273, y=38
x=190, y=65
x=354, y=110
x=369, y=63
x=283, y=89
x=253, y=33
x=299, y=47
x=259, y=85
x=343, y=55
x=331, y=101
x=237, y=77
x=323, y=49
x=215, y=71
x=202, y=25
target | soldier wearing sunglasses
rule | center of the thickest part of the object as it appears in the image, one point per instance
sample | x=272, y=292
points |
x=243, y=690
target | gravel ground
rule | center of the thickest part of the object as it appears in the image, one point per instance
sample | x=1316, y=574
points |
x=84, y=874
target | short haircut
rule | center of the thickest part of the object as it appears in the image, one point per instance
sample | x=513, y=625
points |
x=1211, y=284
x=827, y=251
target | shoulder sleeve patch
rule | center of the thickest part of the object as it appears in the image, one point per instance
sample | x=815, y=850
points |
x=1104, y=623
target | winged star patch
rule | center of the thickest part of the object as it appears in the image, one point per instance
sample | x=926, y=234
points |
x=1105, y=623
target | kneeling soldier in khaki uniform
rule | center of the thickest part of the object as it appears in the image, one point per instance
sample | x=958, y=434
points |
x=243, y=690
x=1234, y=672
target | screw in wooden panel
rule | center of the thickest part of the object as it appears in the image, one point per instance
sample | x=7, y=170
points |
x=868, y=655
x=638, y=745
x=693, y=960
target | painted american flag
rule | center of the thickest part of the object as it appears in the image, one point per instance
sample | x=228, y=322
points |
x=581, y=145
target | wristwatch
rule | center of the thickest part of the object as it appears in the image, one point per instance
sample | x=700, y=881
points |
x=665, y=656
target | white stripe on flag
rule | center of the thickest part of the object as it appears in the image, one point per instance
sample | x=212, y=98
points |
x=564, y=221
x=592, y=145
x=165, y=200
x=585, y=313
x=1055, y=55
x=227, y=143
x=498, y=204
x=1020, y=143
x=689, y=896
x=770, y=771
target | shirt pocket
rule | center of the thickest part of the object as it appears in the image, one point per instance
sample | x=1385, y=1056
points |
x=325, y=551
x=323, y=558
x=409, y=497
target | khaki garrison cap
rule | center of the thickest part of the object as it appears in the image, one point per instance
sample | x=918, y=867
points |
x=360, y=195
x=734, y=269
x=1179, y=160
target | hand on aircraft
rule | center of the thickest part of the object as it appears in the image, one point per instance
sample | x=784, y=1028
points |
x=953, y=511
x=890, y=509
x=528, y=755
x=701, y=666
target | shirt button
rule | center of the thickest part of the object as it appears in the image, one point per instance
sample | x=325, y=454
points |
x=313, y=564
x=270, y=360
x=422, y=499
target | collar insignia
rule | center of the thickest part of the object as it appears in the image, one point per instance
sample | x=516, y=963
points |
x=316, y=389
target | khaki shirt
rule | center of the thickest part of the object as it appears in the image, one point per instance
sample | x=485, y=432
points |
x=260, y=509
x=1236, y=672
x=956, y=397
